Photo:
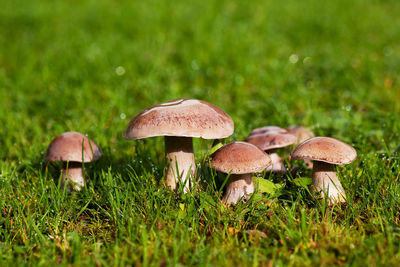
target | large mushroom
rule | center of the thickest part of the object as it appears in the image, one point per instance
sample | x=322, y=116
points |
x=73, y=149
x=179, y=121
x=269, y=141
x=240, y=160
x=326, y=152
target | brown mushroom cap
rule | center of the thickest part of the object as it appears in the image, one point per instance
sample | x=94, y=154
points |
x=325, y=149
x=181, y=117
x=68, y=147
x=271, y=140
x=272, y=129
x=240, y=158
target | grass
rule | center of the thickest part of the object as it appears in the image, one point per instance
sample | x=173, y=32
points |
x=90, y=66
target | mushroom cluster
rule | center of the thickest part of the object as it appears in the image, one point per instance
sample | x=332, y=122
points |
x=180, y=120
x=325, y=152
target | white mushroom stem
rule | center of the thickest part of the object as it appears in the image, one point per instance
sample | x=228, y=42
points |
x=181, y=166
x=326, y=181
x=240, y=187
x=277, y=164
x=73, y=172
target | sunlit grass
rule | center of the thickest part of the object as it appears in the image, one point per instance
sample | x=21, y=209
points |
x=90, y=66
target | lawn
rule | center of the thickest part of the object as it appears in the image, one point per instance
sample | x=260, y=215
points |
x=91, y=66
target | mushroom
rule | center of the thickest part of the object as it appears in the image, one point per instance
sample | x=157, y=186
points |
x=178, y=121
x=270, y=141
x=73, y=149
x=240, y=159
x=326, y=152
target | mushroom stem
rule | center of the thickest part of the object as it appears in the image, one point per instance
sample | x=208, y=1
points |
x=74, y=173
x=326, y=181
x=277, y=164
x=240, y=186
x=180, y=161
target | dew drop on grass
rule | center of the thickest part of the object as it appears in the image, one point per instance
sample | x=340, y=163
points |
x=120, y=71
x=307, y=60
x=293, y=58
x=347, y=108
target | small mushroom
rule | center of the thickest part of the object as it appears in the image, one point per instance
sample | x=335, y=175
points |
x=179, y=121
x=270, y=141
x=326, y=152
x=73, y=149
x=240, y=159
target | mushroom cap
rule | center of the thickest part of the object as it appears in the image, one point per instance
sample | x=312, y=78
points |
x=181, y=117
x=326, y=149
x=271, y=140
x=301, y=133
x=68, y=147
x=271, y=128
x=240, y=158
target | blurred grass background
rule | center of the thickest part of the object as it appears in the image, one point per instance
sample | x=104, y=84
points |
x=90, y=66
